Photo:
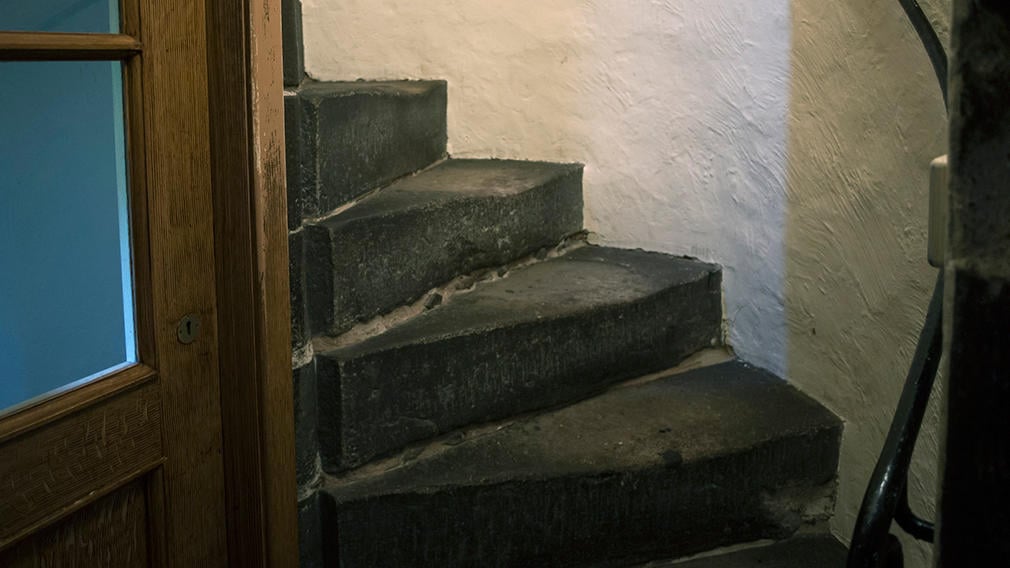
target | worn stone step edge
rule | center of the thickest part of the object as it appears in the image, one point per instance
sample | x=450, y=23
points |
x=425, y=449
x=311, y=478
x=398, y=243
x=509, y=489
x=301, y=332
x=811, y=550
x=702, y=387
x=344, y=139
x=462, y=364
x=444, y=294
x=304, y=346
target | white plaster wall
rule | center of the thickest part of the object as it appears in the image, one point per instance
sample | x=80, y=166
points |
x=787, y=141
x=676, y=107
x=866, y=117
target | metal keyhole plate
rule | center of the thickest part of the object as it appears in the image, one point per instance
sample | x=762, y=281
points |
x=189, y=329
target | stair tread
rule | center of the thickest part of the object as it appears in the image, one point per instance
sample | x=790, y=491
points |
x=398, y=87
x=547, y=334
x=452, y=180
x=584, y=279
x=656, y=468
x=671, y=422
x=345, y=139
x=420, y=232
x=822, y=551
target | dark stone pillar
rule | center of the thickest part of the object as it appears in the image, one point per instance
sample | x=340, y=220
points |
x=975, y=501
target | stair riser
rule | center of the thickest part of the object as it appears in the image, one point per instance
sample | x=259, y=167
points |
x=300, y=174
x=378, y=403
x=604, y=520
x=310, y=532
x=372, y=266
x=300, y=335
x=348, y=142
x=306, y=417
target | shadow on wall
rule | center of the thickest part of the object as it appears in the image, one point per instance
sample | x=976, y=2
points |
x=786, y=140
x=866, y=118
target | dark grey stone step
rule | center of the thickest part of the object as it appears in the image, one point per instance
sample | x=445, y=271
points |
x=296, y=277
x=822, y=551
x=690, y=462
x=291, y=42
x=547, y=334
x=426, y=229
x=309, y=533
x=345, y=139
x=293, y=158
x=305, y=414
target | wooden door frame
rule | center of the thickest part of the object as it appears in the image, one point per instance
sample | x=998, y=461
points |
x=245, y=85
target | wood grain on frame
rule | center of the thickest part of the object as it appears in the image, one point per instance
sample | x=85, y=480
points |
x=47, y=411
x=250, y=205
x=110, y=532
x=273, y=309
x=45, y=46
x=180, y=214
x=50, y=470
x=240, y=414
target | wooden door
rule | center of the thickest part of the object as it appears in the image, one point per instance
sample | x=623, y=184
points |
x=125, y=468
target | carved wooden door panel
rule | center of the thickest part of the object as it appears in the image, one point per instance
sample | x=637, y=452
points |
x=110, y=427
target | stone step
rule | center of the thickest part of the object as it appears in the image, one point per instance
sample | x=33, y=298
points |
x=814, y=551
x=547, y=334
x=420, y=232
x=655, y=469
x=344, y=139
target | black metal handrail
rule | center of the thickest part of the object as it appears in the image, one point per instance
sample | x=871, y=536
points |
x=934, y=47
x=887, y=494
x=886, y=498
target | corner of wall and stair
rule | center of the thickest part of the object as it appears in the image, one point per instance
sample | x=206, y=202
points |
x=509, y=202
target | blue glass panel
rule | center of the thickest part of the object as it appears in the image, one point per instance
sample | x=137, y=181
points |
x=66, y=301
x=82, y=16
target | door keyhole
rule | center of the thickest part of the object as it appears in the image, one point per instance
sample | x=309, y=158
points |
x=189, y=329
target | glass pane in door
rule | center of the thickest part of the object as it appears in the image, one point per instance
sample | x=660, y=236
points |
x=66, y=300
x=82, y=16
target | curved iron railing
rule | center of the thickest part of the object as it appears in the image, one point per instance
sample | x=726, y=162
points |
x=934, y=47
x=886, y=498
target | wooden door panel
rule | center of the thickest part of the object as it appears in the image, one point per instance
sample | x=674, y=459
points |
x=71, y=464
x=58, y=467
x=111, y=532
x=52, y=470
x=131, y=466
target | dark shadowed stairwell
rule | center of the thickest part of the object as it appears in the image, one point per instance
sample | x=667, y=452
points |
x=476, y=385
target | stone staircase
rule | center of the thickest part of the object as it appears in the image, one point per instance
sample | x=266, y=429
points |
x=477, y=386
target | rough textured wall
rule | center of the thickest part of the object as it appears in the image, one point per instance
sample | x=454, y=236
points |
x=866, y=117
x=676, y=107
x=788, y=142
